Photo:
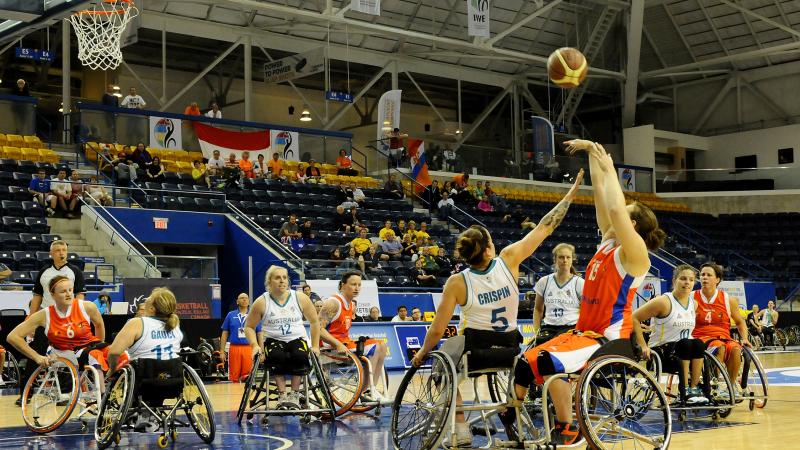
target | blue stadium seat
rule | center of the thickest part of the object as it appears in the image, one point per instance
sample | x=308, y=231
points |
x=27, y=167
x=21, y=179
x=26, y=260
x=170, y=187
x=5, y=194
x=14, y=224
x=248, y=207
x=170, y=202
x=171, y=177
x=37, y=225
x=7, y=258
x=76, y=260
x=8, y=164
x=153, y=201
x=48, y=168
x=217, y=204
x=262, y=207
x=32, y=241
x=21, y=276
x=187, y=203
x=10, y=241
x=91, y=279
x=203, y=204
x=12, y=208
x=152, y=185
x=32, y=209
x=184, y=178
x=42, y=255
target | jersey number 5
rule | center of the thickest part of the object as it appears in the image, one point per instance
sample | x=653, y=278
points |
x=503, y=322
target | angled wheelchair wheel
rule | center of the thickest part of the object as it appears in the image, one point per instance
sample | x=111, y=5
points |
x=382, y=387
x=197, y=406
x=781, y=338
x=319, y=394
x=345, y=376
x=50, y=396
x=424, y=403
x=114, y=407
x=11, y=372
x=620, y=405
x=753, y=380
x=498, y=386
x=249, y=388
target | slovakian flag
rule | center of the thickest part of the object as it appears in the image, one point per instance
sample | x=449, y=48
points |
x=236, y=142
x=419, y=164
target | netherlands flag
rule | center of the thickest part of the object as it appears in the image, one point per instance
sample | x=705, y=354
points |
x=236, y=142
x=419, y=164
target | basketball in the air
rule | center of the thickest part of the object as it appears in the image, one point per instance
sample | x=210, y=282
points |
x=567, y=67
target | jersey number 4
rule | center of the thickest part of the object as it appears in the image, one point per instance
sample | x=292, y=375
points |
x=708, y=317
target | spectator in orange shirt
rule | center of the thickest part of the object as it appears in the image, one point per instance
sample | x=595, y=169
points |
x=461, y=181
x=246, y=165
x=345, y=165
x=275, y=166
x=192, y=110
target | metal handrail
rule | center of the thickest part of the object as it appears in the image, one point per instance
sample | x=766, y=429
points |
x=366, y=159
x=273, y=241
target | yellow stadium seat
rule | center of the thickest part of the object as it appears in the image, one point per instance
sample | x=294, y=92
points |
x=12, y=152
x=181, y=155
x=3, y=140
x=32, y=142
x=169, y=165
x=15, y=140
x=195, y=156
x=30, y=154
x=183, y=167
x=49, y=156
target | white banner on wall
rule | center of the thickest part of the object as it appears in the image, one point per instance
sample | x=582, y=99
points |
x=735, y=289
x=367, y=298
x=627, y=178
x=648, y=290
x=286, y=143
x=478, y=18
x=165, y=132
x=366, y=6
x=295, y=66
x=388, y=111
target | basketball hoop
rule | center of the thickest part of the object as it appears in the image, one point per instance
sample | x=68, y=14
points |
x=99, y=32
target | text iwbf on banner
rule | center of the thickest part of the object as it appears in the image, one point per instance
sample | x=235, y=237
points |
x=478, y=18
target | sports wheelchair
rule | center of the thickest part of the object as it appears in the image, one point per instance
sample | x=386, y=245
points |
x=619, y=403
x=260, y=394
x=141, y=389
x=347, y=380
x=752, y=381
x=714, y=381
x=9, y=373
x=52, y=394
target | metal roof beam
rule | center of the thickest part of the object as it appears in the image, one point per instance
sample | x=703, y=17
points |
x=714, y=104
x=758, y=16
x=521, y=23
x=635, y=28
x=769, y=102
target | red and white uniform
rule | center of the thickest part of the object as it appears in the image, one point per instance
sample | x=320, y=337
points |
x=605, y=311
x=341, y=323
x=70, y=332
x=713, y=321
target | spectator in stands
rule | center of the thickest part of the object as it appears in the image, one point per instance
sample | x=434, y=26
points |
x=260, y=169
x=104, y=158
x=393, y=188
x=313, y=173
x=458, y=263
x=336, y=255
x=391, y=248
x=344, y=165
x=312, y=295
x=409, y=248
x=200, y=174
x=446, y=205
x=231, y=162
x=192, y=110
x=397, y=151
x=444, y=262
x=428, y=257
x=374, y=315
x=98, y=192
x=76, y=190
x=40, y=189
x=432, y=195
x=450, y=159
x=518, y=217
x=246, y=166
x=275, y=167
x=344, y=193
x=308, y=233
x=402, y=314
x=361, y=244
x=103, y=303
x=461, y=181
x=448, y=187
x=356, y=223
x=124, y=167
x=155, y=171
x=214, y=112
x=342, y=220
x=300, y=174
x=6, y=285
x=133, y=100
x=352, y=262
x=141, y=156
x=401, y=227
x=387, y=227
x=479, y=192
x=423, y=230
x=109, y=99
x=496, y=200
x=412, y=229
x=484, y=205
x=63, y=191
x=358, y=194
x=215, y=165
x=421, y=276
x=21, y=89
x=416, y=314
x=290, y=230
x=372, y=261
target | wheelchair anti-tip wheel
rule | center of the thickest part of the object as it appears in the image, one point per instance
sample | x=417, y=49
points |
x=620, y=405
x=424, y=403
x=50, y=396
x=197, y=406
x=753, y=380
x=116, y=402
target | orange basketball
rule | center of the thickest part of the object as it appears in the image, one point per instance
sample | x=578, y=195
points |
x=567, y=67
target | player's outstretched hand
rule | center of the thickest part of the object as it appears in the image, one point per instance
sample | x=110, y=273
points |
x=575, y=186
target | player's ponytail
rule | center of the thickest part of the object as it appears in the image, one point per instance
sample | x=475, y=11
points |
x=166, y=305
x=172, y=322
x=647, y=226
x=472, y=244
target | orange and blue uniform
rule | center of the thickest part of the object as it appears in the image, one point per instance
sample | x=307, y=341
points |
x=341, y=323
x=606, y=305
x=713, y=321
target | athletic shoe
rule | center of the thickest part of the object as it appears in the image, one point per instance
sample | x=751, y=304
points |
x=293, y=400
x=695, y=396
x=283, y=399
x=63, y=399
x=565, y=433
x=19, y=401
x=50, y=212
x=463, y=436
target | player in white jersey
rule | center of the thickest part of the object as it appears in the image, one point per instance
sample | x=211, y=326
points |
x=558, y=296
x=489, y=298
x=155, y=335
x=769, y=318
x=672, y=321
x=281, y=312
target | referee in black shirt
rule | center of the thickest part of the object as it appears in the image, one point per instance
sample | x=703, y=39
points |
x=57, y=265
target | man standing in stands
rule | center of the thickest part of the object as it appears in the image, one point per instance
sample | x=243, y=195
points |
x=246, y=165
x=109, y=99
x=57, y=265
x=214, y=113
x=133, y=101
x=240, y=354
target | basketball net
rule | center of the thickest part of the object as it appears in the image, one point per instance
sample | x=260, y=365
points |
x=99, y=32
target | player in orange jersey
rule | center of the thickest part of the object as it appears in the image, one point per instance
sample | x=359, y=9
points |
x=715, y=310
x=335, y=319
x=612, y=276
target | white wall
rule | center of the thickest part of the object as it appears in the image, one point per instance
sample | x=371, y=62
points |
x=639, y=146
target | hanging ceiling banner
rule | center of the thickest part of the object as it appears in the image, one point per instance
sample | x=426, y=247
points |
x=478, y=18
x=295, y=66
x=366, y=6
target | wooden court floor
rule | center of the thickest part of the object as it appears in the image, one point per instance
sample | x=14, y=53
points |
x=774, y=427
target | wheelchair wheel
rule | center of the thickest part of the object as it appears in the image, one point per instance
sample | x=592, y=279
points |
x=781, y=338
x=50, y=396
x=382, y=387
x=719, y=385
x=345, y=376
x=197, y=407
x=205, y=354
x=620, y=404
x=114, y=407
x=498, y=386
x=249, y=388
x=424, y=403
x=753, y=380
x=11, y=373
x=319, y=393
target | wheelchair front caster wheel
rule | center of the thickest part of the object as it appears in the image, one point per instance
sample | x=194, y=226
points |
x=117, y=439
x=173, y=435
x=265, y=421
x=682, y=417
x=84, y=425
x=162, y=441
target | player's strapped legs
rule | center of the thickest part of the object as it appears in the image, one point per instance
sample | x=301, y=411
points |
x=370, y=345
x=288, y=357
x=687, y=349
x=567, y=353
x=240, y=362
x=489, y=349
